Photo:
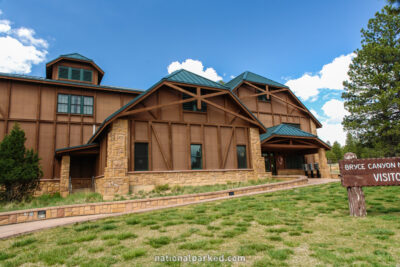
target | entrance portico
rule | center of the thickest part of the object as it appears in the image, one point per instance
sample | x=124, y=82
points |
x=285, y=147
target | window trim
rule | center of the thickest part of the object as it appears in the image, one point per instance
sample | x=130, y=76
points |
x=81, y=73
x=134, y=157
x=201, y=157
x=69, y=104
x=245, y=156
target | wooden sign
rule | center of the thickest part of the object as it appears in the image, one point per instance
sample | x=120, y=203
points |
x=370, y=172
x=356, y=173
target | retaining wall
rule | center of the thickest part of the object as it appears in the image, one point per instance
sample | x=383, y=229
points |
x=45, y=213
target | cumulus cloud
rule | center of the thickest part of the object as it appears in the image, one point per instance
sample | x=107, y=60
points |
x=331, y=76
x=195, y=66
x=332, y=129
x=19, y=48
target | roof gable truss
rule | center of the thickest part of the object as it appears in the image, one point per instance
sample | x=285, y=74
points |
x=194, y=97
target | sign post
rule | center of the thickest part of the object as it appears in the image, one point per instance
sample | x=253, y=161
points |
x=356, y=173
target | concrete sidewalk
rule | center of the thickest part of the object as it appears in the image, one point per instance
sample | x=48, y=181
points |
x=11, y=230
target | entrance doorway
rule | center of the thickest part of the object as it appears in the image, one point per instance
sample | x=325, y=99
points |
x=270, y=165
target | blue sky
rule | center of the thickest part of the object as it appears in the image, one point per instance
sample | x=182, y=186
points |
x=135, y=41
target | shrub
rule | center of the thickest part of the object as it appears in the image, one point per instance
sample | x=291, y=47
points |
x=20, y=171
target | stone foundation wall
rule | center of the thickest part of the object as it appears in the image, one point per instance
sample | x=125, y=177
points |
x=64, y=175
x=48, y=186
x=146, y=181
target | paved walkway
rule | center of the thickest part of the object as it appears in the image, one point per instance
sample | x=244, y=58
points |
x=11, y=230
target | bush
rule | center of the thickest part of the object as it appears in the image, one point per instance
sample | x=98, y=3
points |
x=20, y=171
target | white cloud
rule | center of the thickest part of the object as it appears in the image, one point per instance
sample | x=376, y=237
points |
x=5, y=26
x=195, y=66
x=331, y=76
x=19, y=48
x=332, y=129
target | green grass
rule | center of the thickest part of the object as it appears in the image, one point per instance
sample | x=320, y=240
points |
x=301, y=227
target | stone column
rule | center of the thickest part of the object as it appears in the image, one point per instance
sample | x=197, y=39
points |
x=64, y=175
x=258, y=162
x=116, y=180
x=323, y=164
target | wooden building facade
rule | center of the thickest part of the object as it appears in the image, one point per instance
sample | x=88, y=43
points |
x=184, y=130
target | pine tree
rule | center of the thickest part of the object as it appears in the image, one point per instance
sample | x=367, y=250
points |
x=372, y=94
x=20, y=171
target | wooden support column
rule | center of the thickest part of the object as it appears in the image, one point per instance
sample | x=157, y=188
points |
x=38, y=118
x=356, y=201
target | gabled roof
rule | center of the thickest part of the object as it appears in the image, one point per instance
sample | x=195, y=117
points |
x=184, y=76
x=74, y=57
x=179, y=76
x=286, y=130
x=251, y=77
x=289, y=131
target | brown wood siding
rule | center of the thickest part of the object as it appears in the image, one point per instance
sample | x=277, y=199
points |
x=170, y=131
x=34, y=107
x=275, y=112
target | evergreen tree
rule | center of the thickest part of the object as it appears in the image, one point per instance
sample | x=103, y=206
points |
x=372, y=94
x=20, y=171
x=337, y=150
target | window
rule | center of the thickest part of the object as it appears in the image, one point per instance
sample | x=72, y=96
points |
x=141, y=156
x=196, y=157
x=294, y=161
x=75, y=104
x=192, y=106
x=263, y=98
x=62, y=103
x=241, y=157
x=75, y=74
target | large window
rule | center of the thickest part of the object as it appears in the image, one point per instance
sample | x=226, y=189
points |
x=75, y=74
x=192, y=106
x=141, y=157
x=196, y=157
x=75, y=104
x=294, y=161
x=241, y=157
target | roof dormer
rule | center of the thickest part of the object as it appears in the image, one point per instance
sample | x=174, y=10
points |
x=74, y=68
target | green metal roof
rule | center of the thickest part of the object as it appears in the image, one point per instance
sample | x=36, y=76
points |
x=37, y=78
x=76, y=56
x=184, y=76
x=251, y=77
x=284, y=129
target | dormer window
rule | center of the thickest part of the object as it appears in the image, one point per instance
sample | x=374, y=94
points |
x=75, y=74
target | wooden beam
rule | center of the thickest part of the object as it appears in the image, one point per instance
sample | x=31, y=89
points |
x=278, y=91
x=219, y=145
x=150, y=112
x=227, y=149
x=198, y=91
x=161, y=149
x=229, y=111
x=171, y=150
x=277, y=97
x=282, y=146
x=135, y=111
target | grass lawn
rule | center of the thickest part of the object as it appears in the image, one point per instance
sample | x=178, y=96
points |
x=159, y=191
x=302, y=227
